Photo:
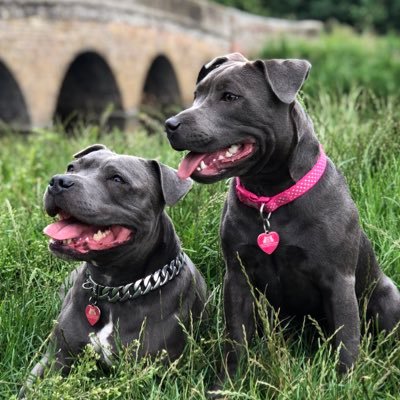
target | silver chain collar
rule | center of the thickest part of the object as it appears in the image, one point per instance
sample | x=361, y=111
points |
x=132, y=290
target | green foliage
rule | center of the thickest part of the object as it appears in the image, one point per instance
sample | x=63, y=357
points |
x=342, y=61
x=380, y=16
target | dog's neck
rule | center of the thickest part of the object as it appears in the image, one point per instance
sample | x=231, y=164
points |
x=130, y=267
x=286, y=166
x=268, y=183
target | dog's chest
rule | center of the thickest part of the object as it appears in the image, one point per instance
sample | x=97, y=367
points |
x=101, y=341
x=287, y=276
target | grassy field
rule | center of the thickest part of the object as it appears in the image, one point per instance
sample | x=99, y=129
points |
x=360, y=132
x=342, y=61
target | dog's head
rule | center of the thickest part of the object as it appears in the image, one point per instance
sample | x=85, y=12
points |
x=241, y=118
x=108, y=203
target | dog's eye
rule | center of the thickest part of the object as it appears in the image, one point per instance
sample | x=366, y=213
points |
x=227, y=96
x=70, y=168
x=117, y=178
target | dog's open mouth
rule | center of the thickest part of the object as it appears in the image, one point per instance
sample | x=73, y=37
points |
x=211, y=164
x=69, y=233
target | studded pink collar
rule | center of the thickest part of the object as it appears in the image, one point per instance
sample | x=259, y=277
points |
x=301, y=187
x=268, y=241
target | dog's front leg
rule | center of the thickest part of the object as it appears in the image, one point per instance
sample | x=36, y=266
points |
x=239, y=316
x=341, y=307
x=50, y=360
x=239, y=324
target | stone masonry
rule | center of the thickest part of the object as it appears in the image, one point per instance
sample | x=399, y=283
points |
x=116, y=42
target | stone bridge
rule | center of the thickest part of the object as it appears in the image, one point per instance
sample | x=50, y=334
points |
x=60, y=58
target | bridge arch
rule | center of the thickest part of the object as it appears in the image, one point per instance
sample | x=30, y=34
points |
x=89, y=93
x=161, y=87
x=13, y=109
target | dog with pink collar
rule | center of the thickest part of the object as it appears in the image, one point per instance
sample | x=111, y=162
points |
x=289, y=229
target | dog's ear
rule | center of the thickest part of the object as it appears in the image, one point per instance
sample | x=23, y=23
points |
x=216, y=62
x=285, y=77
x=90, y=149
x=306, y=143
x=173, y=188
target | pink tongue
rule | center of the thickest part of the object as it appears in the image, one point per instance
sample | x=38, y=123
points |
x=63, y=229
x=122, y=234
x=189, y=164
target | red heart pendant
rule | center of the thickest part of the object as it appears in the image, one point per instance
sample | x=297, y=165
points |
x=268, y=242
x=92, y=314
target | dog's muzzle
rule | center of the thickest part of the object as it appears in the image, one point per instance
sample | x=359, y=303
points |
x=60, y=183
x=172, y=126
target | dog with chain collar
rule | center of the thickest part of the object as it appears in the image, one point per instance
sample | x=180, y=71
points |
x=135, y=281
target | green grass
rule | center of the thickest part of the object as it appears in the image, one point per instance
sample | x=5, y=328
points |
x=343, y=61
x=360, y=132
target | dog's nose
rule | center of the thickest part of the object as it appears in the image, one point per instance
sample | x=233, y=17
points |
x=172, y=124
x=58, y=183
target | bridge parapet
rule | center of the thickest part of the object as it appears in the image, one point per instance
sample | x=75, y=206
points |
x=197, y=15
x=61, y=55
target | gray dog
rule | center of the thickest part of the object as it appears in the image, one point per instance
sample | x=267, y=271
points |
x=289, y=219
x=136, y=282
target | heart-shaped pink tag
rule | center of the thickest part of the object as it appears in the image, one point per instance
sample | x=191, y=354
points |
x=92, y=314
x=268, y=242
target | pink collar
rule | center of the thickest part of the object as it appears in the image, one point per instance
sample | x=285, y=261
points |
x=301, y=187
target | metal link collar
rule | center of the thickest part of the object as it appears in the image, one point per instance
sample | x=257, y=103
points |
x=141, y=287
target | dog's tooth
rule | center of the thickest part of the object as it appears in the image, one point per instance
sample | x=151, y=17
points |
x=233, y=149
x=203, y=164
x=103, y=234
x=221, y=157
x=228, y=154
x=198, y=169
x=214, y=159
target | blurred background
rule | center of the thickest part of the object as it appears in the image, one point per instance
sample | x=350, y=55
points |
x=116, y=63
